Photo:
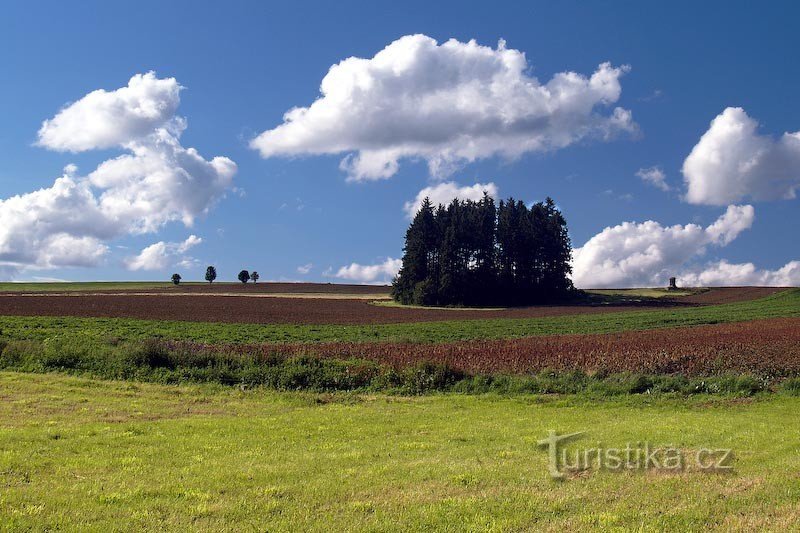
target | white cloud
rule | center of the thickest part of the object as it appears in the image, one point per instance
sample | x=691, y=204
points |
x=162, y=255
x=723, y=273
x=448, y=104
x=732, y=162
x=655, y=177
x=103, y=119
x=647, y=254
x=446, y=192
x=378, y=273
x=305, y=269
x=157, y=182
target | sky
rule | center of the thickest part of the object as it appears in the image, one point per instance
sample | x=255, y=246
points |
x=297, y=138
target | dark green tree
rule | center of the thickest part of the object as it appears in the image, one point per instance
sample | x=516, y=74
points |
x=419, y=254
x=176, y=279
x=244, y=276
x=254, y=276
x=211, y=274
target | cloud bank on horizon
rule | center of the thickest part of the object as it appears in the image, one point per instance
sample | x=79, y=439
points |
x=156, y=182
x=447, y=104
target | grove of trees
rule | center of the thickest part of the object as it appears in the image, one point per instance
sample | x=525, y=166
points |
x=474, y=253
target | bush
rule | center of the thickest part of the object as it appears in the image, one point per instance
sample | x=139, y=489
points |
x=148, y=354
x=791, y=386
x=19, y=354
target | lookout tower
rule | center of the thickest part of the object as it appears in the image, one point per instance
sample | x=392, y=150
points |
x=673, y=284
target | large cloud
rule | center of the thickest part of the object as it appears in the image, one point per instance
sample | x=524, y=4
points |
x=157, y=182
x=446, y=192
x=447, y=104
x=732, y=162
x=647, y=254
x=377, y=273
x=741, y=274
x=162, y=254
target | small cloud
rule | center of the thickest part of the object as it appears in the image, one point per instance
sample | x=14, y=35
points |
x=377, y=273
x=305, y=269
x=655, y=95
x=446, y=192
x=162, y=254
x=626, y=197
x=655, y=177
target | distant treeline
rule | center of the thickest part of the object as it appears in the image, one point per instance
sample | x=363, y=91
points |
x=479, y=253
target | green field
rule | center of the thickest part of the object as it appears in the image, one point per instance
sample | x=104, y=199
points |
x=643, y=293
x=88, y=455
x=67, y=286
x=784, y=304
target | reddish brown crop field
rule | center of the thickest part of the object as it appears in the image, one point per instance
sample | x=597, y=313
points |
x=765, y=347
x=234, y=309
x=193, y=303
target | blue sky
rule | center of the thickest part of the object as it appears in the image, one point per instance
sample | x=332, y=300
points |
x=244, y=64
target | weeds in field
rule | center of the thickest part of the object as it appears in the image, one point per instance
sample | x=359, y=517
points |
x=166, y=362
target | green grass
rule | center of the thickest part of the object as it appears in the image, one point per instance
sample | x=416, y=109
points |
x=784, y=304
x=643, y=293
x=84, y=286
x=79, y=454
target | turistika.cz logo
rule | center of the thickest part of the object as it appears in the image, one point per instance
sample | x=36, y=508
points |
x=636, y=456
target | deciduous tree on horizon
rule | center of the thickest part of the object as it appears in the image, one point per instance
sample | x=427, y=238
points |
x=211, y=274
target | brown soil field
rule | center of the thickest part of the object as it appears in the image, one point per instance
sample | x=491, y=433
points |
x=281, y=288
x=725, y=295
x=764, y=347
x=234, y=309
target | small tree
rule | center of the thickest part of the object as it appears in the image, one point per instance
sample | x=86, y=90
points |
x=244, y=276
x=176, y=279
x=211, y=274
x=254, y=276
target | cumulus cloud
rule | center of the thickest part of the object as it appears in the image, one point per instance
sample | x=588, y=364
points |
x=378, y=273
x=447, y=104
x=647, y=254
x=446, y=192
x=655, y=177
x=103, y=119
x=305, y=269
x=732, y=161
x=162, y=254
x=158, y=181
x=723, y=273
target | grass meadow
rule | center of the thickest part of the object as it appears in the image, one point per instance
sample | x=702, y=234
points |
x=102, y=429
x=92, y=455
